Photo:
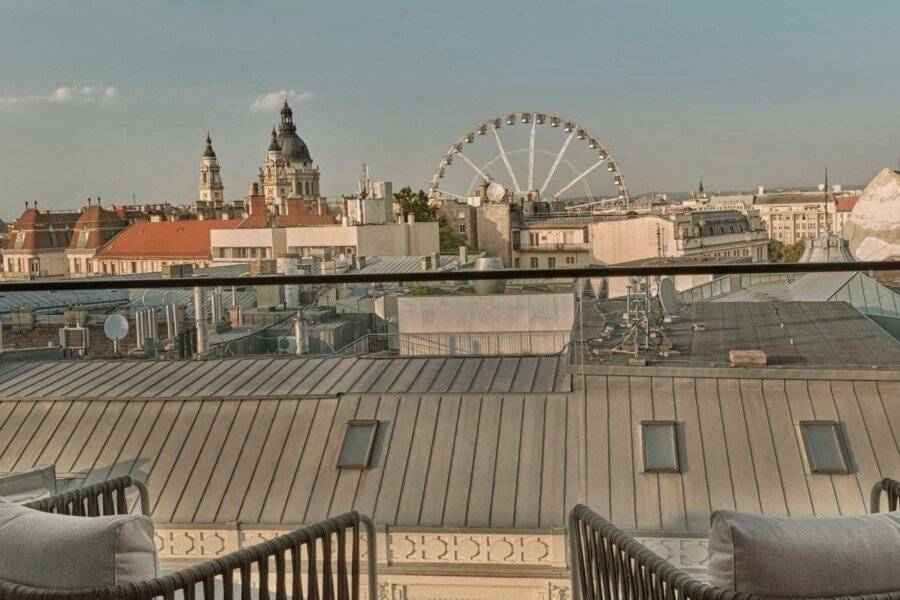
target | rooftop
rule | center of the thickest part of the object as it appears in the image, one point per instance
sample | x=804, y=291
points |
x=187, y=239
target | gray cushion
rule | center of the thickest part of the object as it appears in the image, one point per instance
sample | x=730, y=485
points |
x=59, y=552
x=805, y=557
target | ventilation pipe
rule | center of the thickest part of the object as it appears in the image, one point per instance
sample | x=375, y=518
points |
x=299, y=333
x=200, y=319
x=139, y=329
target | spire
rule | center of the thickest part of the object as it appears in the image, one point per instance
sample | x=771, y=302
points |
x=701, y=186
x=274, y=146
x=209, y=152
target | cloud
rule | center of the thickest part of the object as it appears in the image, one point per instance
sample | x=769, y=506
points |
x=274, y=100
x=101, y=95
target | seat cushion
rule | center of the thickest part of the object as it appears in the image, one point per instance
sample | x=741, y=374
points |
x=60, y=552
x=805, y=557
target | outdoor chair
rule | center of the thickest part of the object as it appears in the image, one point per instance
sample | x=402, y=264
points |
x=824, y=555
x=319, y=562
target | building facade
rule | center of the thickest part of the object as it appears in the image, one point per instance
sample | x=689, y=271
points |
x=37, y=243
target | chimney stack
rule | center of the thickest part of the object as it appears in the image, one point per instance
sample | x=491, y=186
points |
x=463, y=255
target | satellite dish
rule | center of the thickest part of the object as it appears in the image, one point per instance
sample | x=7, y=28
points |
x=668, y=297
x=495, y=192
x=115, y=327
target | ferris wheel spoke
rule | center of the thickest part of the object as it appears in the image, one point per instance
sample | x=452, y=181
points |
x=471, y=164
x=450, y=194
x=581, y=176
x=557, y=161
x=506, y=160
x=531, y=156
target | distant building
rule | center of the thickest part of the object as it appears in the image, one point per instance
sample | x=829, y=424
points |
x=460, y=216
x=147, y=247
x=94, y=228
x=288, y=170
x=324, y=242
x=37, y=243
x=548, y=243
x=793, y=216
x=210, y=190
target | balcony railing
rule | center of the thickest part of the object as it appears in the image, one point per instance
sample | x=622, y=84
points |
x=560, y=247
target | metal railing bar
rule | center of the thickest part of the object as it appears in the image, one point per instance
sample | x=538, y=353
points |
x=101, y=283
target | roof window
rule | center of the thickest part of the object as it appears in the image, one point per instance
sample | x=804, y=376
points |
x=359, y=439
x=826, y=451
x=660, y=442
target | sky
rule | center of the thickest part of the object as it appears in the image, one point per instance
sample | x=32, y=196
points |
x=114, y=99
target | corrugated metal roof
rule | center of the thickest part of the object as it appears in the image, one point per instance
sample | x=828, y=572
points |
x=483, y=459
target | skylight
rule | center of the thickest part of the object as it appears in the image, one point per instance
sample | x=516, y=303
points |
x=825, y=448
x=356, y=451
x=660, y=442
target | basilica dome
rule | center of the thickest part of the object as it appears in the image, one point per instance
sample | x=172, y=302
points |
x=874, y=225
x=292, y=147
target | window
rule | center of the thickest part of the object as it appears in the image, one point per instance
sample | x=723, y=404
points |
x=516, y=263
x=660, y=441
x=570, y=260
x=461, y=215
x=462, y=228
x=356, y=451
x=533, y=262
x=826, y=451
x=551, y=262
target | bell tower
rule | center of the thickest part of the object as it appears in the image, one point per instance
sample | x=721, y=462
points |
x=210, y=189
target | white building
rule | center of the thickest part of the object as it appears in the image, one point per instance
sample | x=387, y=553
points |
x=490, y=324
x=328, y=242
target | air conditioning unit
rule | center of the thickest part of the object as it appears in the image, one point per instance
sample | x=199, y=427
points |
x=287, y=344
x=74, y=338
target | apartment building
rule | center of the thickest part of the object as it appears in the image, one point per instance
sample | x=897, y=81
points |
x=37, y=243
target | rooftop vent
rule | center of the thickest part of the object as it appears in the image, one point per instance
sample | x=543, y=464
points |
x=747, y=358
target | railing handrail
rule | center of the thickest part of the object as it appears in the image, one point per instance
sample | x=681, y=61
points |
x=101, y=283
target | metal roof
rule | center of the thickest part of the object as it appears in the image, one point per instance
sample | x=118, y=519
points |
x=450, y=453
x=796, y=334
x=269, y=376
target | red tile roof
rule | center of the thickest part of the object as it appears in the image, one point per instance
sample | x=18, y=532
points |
x=100, y=226
x=845, y=203
x=165, y=239
x=297, y=215
x=44, y=230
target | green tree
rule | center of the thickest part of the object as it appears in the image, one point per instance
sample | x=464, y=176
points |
x=415, y=203
x=450, y=240
x=786, y=253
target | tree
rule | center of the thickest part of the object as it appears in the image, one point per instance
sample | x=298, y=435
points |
x=450, y=240
x=786, y=253
x=415, y=203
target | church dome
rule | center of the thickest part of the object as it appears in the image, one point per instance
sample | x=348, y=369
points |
x=292, y=146
x=874, y=225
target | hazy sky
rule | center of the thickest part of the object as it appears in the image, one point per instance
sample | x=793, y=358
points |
x=114, y=98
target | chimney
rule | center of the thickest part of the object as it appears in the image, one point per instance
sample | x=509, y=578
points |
x=253, y=189
x=463, y=255
x=322, y=205
x=360, y=262
x=435, y=261
x=426, y=263
x=410, y=218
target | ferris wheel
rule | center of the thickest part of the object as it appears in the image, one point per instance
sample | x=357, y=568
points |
x=528, y=155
